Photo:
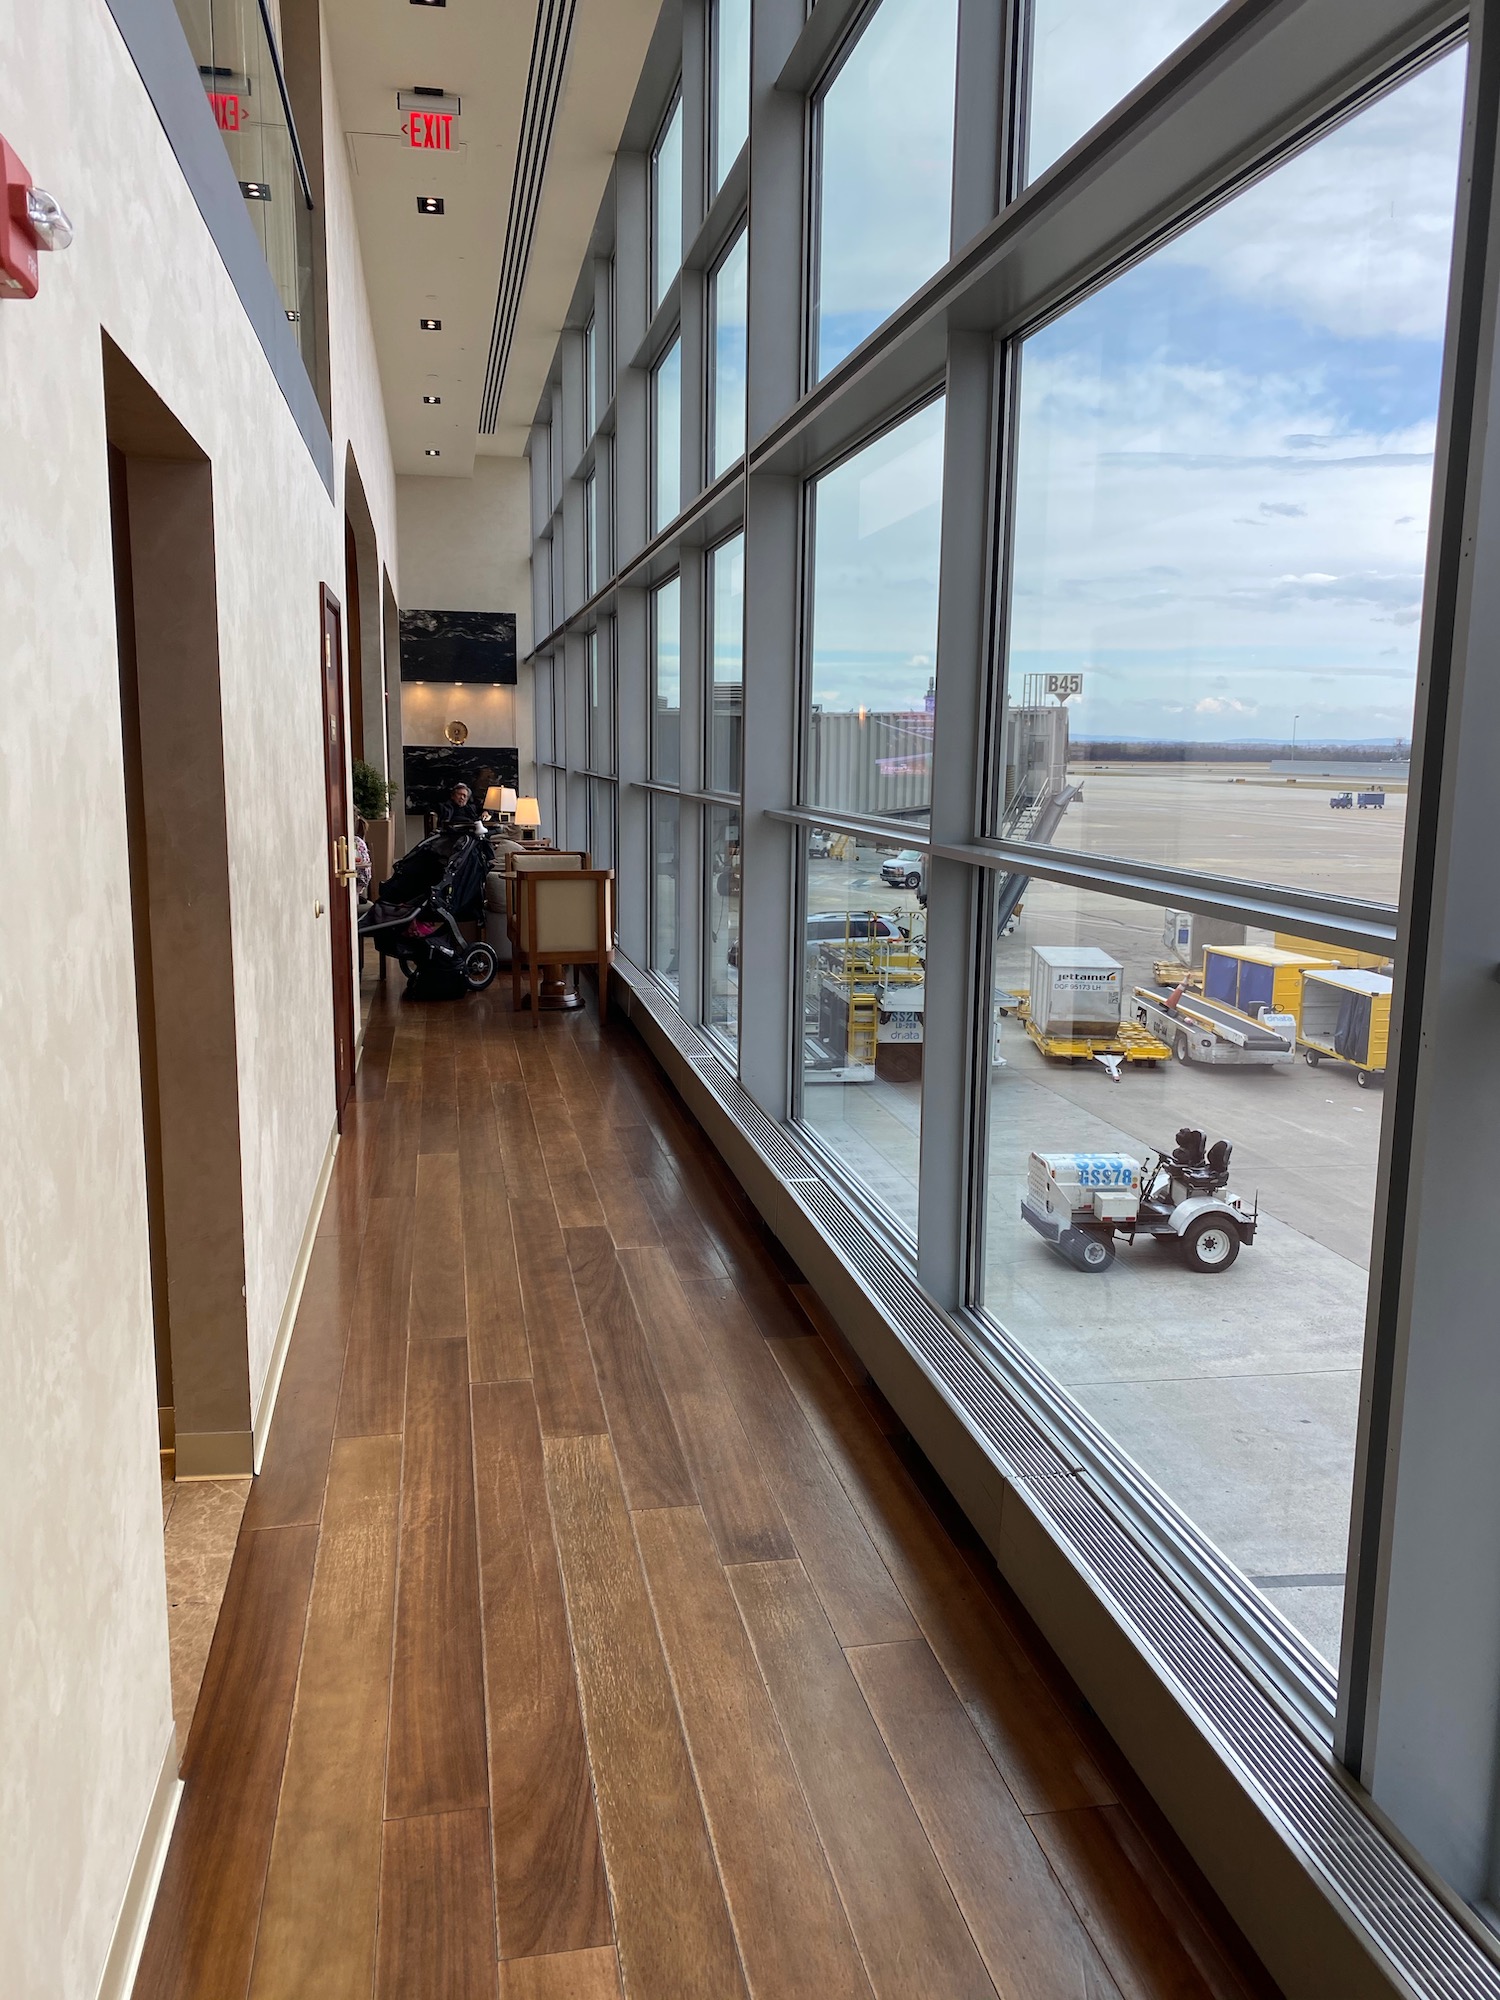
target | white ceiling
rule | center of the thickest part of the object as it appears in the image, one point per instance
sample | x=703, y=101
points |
x=448, y=267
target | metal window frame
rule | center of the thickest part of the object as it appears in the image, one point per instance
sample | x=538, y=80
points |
x=739, y=233
x=675, y=107
x=1256, y=82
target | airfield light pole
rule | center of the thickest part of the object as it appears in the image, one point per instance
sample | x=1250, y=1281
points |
x=1295, y=720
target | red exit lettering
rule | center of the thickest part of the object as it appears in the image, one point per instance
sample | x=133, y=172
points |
x=431, y=131
x=227, y=110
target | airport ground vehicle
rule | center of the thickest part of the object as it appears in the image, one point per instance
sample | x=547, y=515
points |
x=1072, y=1010
x=1372, y=799
x=903, y=870
x=1252, y=980
x=1199, y=1030
x=1346, y=1019
x=1341, y=801
x=865, y=1005
x=1080, y=1202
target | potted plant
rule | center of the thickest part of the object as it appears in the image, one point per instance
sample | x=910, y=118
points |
x=373, y=793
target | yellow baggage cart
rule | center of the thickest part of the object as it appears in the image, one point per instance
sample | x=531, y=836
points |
x=1345, y=1018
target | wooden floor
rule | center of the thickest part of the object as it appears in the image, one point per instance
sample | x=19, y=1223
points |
x=593, y=1628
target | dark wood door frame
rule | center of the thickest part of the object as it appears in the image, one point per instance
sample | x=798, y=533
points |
x=340, y=848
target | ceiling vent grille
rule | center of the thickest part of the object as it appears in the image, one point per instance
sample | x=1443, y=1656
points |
x=549, y=61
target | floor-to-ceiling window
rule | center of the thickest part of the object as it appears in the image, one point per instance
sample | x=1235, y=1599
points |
x=1055, y=673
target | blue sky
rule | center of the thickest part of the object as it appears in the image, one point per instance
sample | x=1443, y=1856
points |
x=1225, y=456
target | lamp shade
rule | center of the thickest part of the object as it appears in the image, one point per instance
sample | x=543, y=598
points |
x=508, y=799
x=494, y=799
x=528, y=812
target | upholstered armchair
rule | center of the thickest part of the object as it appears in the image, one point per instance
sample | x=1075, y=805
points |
x=560, y=917
x=498, y=897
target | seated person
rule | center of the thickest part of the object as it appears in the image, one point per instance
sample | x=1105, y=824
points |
x=458, y=809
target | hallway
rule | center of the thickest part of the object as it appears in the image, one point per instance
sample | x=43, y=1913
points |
x=592, y=1612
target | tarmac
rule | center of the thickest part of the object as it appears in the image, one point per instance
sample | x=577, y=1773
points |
x=1236, y=1393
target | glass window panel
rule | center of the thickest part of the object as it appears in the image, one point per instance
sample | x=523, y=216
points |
x=666, y=206
x=1088, y=54
x=666, y=682
x=726, y=597
x=728, y=299
x=1235, y=1389
x=542, y=698
x=601, y=709
x=885, y=208
x=1222, y=488
x=602, y=823
x=721, y=1012
x=731, y=91
x=590, y=536
x=664, y=913
x=666, y=457
x=863, y=984
x=876, y=530
x=589, y=364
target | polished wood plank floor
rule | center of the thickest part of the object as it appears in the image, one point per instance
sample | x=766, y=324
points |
x=595, y=1632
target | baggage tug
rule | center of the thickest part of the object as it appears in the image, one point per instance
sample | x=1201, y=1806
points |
x=1080, y=1202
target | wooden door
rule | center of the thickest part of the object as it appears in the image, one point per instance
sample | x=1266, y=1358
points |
x=340, y=853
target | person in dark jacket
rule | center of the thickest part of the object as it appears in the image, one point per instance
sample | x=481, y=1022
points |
x=458, y=809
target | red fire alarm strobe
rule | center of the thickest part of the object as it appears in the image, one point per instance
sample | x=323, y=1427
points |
x=30, y=220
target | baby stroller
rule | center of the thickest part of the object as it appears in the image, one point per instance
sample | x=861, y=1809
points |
x=432, y=890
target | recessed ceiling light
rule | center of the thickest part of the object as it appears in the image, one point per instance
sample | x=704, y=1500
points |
x=433, y=452
x=431, y=325
x=428, y=204
x=429, y=3
x=432, y=399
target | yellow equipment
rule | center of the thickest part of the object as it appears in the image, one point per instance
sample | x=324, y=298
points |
x=1334, y=954
x=1346, y=1018
x=1131, y=1042
x=1251, y=977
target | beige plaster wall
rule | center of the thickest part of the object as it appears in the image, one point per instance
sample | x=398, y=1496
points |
x=84, y=1687
x=466, y=546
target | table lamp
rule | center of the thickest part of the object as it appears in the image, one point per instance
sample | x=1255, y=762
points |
x=528, y=817
x=494, y=800
x=507, y=802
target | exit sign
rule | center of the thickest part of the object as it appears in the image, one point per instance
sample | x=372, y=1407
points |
x=430, y=131
x=228, y=110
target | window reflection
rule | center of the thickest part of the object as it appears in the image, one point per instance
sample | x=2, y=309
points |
x=601, y=698
x=726, y=597
x=666, y=205
x=666, y=465
x=1085, y=56
x=876, y=533
x=666, y=682
x=665, y=814
x=1222, y=489
x=731, y=86
x=727, y=309
x=885, y=131
x=863, y=995
x=590, y=363
x=721, y=1013
x=602, y=823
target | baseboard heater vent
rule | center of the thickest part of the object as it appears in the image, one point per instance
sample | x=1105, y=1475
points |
x=1425, y=1939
